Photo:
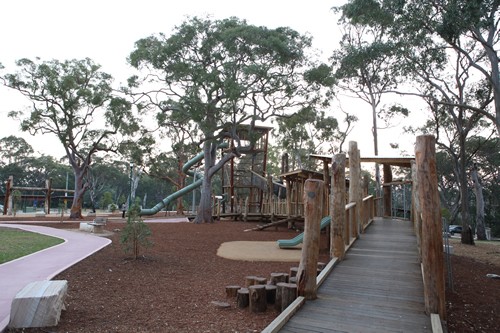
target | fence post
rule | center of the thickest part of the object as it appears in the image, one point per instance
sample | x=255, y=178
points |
x=337, y=207
x=313, y=209
x=355, y=186
x=432, y=239
x=416, y=210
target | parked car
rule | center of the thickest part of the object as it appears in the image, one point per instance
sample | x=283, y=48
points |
x=455, y=229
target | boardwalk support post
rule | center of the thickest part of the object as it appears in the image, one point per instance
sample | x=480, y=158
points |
x=416, y=210
x=355, y=186
x=337, y=247
x=431, y=241
x=313, y=209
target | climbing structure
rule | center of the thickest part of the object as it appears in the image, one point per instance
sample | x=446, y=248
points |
x=243, y=181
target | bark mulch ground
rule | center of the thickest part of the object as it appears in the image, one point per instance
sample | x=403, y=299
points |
x=172, y=286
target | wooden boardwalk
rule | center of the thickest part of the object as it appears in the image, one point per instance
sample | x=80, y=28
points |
x=377, y=288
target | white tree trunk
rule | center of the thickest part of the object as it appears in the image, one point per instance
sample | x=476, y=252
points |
x=478, y=191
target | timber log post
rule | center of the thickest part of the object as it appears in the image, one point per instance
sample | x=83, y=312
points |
x=416, y=210
x=432, y=239
x=355, y=186
x=313, y=209
x=258, y=298
x=387, y=190
x=337, y=242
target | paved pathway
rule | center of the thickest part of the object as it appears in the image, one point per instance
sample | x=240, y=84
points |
x=45, y=264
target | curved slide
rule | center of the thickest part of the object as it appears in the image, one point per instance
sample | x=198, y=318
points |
x=186, y=169
x=286, y=243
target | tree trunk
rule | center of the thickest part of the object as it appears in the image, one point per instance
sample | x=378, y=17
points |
x=76, y=206
x=478, y=190
x=464, y=200
x=204, y=214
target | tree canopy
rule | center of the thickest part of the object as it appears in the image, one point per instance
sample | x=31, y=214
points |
x=218, y=74
x=74, y=101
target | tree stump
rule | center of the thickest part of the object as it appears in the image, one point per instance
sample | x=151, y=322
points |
x=293, y=280
x=286, y=293
x=271, y=293
x=231, y=291
x=260, y=280
x=258, y=300
x=250, y=280
x=242, y=298
x=293, y=271
x=277, y=278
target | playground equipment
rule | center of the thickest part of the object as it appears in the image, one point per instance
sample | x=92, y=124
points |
x=287, y=243
x=172, y=197
x=9, y=188
x=241, y=178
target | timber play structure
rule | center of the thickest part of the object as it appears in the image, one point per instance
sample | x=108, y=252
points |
x=45, y=199
x=241, y=178
x=385, y=274
x=249, y=192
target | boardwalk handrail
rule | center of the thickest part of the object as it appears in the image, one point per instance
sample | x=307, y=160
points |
x=367, y=211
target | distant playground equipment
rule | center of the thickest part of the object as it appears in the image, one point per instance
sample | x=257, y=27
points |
x=287, y=243
x=249, y=192
x=172, y=197
x=46, y=198
x=242, y=185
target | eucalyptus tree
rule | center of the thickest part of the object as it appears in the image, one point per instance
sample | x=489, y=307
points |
x=364, y=62
x=448, y=52
x=424, y=32
x=74, y=101
x=218, y=74
x=304, y=133
x=14, y=149
x=485, y=174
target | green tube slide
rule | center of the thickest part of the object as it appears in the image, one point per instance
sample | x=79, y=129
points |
x=286, y=243
x=186, y=169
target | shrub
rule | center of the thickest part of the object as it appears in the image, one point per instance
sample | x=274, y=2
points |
x=136, y=233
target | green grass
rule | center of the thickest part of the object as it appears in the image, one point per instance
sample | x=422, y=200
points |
x=16, y=243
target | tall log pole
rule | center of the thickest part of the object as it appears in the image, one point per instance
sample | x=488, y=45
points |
x=313, y=209
x=387, y=190
x=416, y=211
x=48, y=185
x=355, y=186
x=432, y=241
x=10, y=203
x=337, y=207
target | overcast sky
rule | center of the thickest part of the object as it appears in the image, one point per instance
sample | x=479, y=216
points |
x=105, y=31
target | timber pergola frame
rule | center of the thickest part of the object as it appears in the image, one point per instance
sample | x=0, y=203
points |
x=9, y=185
x=387, y=163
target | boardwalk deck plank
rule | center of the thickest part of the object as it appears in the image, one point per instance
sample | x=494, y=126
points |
x=377, y=288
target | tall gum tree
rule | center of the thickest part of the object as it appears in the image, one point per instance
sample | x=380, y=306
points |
x=218, y=74
x=74, y=101
x=429, y=38
x=363, y=63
